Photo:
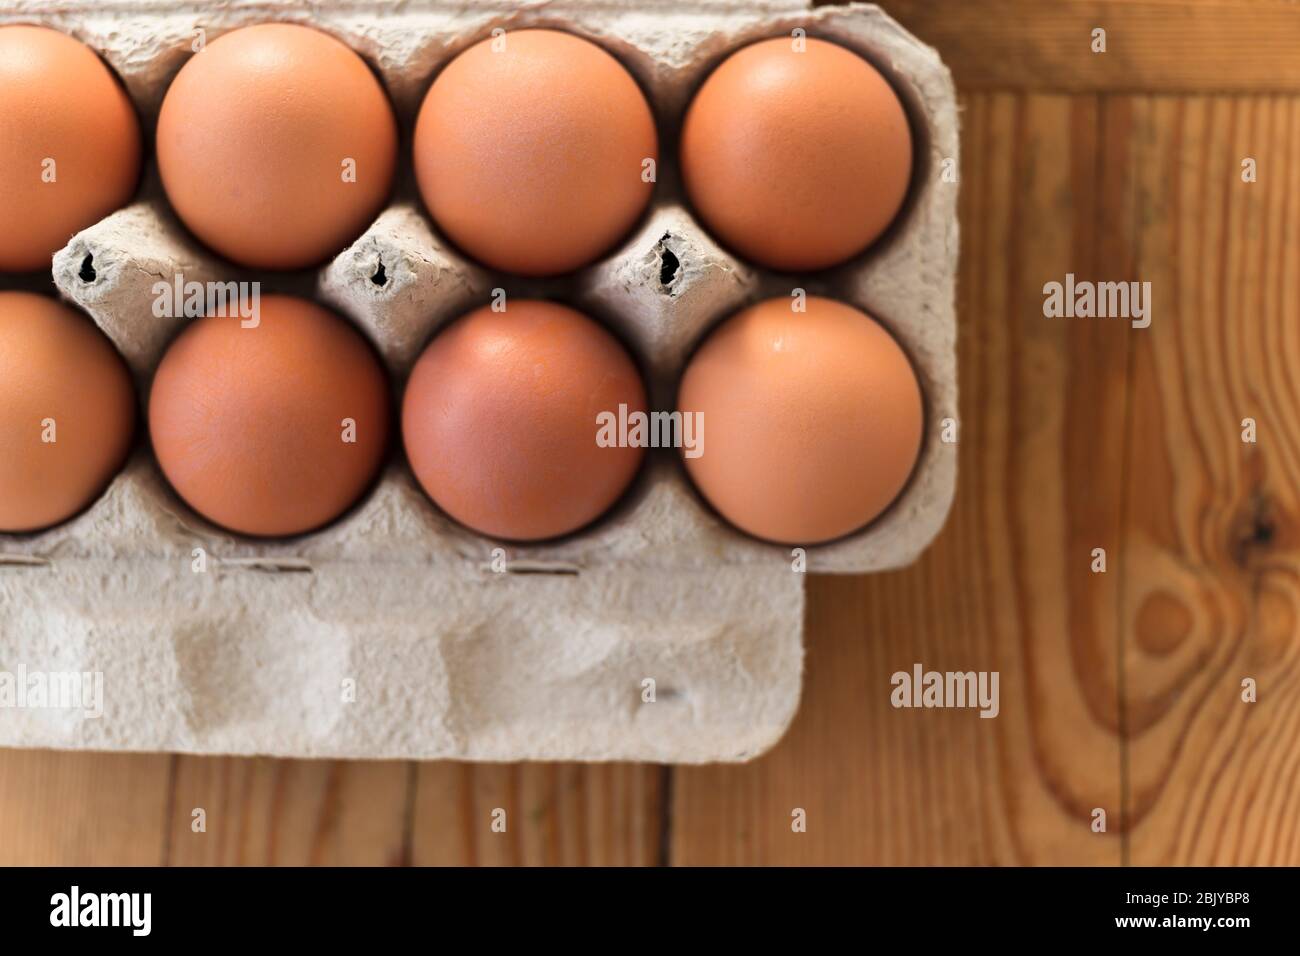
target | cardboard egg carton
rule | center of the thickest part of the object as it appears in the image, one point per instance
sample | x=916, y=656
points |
x=456, y=645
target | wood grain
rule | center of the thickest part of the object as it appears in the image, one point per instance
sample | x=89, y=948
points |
x=1212, y=526
x=82, y=809
x=288, y=812
x=554, y=814
x=1007, y=586
x=1151, y=45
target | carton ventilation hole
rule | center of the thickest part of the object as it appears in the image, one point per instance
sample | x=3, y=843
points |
x=269, y=565
x=87, y=273
x=669, y=266
x=23, y=561
x=533, y=566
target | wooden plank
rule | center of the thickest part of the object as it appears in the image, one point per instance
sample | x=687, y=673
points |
x=1247, y=46
x=1212, y=529
x=68, y=808
x=129, y=809
x=1006, y=587
x=264, y=812
x=554, y=814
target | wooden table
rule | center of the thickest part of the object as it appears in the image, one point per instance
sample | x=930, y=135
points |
x=1119, y=690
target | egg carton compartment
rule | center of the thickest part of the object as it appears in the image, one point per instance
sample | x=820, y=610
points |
x=547, y=660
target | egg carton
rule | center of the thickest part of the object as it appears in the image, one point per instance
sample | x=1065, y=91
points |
x=659, y=633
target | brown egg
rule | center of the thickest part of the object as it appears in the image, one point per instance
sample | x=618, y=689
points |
x=500, y=420
x=277, y=146
x=796, y=160
x=530, y=156
x=67, y=412
x=275, y=429
x=69, y=144
x=812, y=420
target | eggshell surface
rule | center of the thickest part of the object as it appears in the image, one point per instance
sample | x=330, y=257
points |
x=530, y=152
x=277, y=145
x=500, y=420
x=813, y=420
x=69, y=144
x=251, y=425
x=67, y=412
x=796, y=160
